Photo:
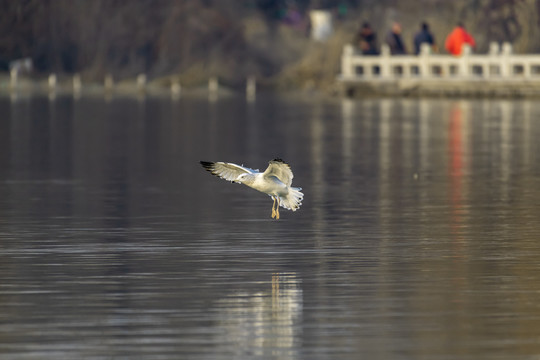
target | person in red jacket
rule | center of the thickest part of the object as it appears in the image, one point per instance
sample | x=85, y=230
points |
x=456, y=39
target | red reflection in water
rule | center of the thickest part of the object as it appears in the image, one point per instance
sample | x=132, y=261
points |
x=455, y=174
x=455, y=146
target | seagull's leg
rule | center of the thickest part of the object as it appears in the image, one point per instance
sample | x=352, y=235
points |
x=273, y=208
x=277, y=209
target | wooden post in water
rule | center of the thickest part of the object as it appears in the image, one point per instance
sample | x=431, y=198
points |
x=251, y=88
x=109, y=82
x=77, y=85
x=52, y=82
x=141, y=83
x=213, y=88
x=13, y=77
x=175, y=88
x=109, y=87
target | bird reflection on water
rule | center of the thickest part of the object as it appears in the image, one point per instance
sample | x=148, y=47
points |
x=265, y=322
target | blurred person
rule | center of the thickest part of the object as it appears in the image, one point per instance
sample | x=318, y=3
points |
x=395, y=41
x=293, y=17
x=366, y=40
x=457, y=38
x=424, y=36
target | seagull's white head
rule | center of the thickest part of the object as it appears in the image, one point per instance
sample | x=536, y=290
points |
x=244, y=178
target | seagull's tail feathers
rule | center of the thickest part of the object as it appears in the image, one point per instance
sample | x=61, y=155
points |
x=293, y=200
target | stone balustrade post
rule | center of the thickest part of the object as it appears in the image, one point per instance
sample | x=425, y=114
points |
x=464, y=69
x=385, y=67
x=347, y=68
x=425, y=52
x=506, y=70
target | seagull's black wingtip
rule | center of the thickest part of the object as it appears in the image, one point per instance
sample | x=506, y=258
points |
x=279, y=160
x=207, y=165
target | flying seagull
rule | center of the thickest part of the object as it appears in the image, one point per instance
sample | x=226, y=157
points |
x=275, y=181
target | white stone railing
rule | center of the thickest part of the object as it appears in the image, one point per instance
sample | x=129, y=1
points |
x=496, y=64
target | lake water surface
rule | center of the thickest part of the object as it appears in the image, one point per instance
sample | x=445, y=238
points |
x=418, y=237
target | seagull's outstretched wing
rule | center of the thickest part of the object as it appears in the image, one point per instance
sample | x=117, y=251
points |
x=281, y=170
x=227, y=171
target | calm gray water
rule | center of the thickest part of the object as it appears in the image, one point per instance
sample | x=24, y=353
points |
x=418, y=238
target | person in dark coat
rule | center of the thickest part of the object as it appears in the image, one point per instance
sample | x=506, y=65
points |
x=366, y=40
x=394, y=40
x=424, y=36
